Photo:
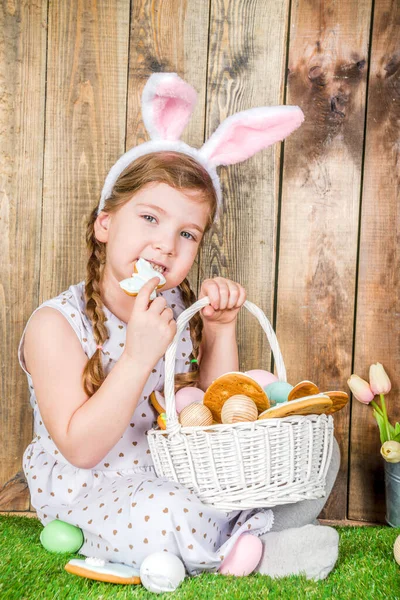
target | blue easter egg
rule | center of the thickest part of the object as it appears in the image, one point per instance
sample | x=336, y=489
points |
x=59, y=536
x=278, y=391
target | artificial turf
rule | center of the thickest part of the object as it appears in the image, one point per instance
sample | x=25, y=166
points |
x=365, y=569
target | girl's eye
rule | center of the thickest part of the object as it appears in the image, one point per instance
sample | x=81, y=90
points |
x=148, y=217
x=191, y=237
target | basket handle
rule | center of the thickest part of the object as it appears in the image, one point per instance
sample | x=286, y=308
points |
x=170, y=355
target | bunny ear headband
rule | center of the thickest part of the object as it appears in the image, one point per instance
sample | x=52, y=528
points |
x=167, y=105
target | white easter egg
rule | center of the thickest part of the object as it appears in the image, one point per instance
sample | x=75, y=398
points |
x=262, y=377
x=188, y=395
x=162, y=572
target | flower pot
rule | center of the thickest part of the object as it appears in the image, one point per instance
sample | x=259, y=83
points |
x=392, y=489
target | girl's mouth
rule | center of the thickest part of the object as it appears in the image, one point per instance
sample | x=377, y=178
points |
x=155, y=267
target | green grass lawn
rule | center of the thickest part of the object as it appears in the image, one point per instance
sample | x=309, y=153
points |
x=365, y=569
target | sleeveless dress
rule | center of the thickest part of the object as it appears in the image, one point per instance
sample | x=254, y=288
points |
x=124, y=510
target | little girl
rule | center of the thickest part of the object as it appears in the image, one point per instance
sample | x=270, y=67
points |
x=93, y=355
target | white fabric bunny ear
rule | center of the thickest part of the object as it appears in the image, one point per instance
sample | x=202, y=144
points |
x=245, y=133
x=167, y=105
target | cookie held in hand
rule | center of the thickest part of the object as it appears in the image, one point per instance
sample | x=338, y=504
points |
x=143, y=271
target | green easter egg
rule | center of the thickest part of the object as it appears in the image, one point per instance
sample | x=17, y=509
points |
x=59, y=536
x=278, y=391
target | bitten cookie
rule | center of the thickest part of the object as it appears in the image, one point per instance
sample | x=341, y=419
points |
x=100, y=570
x=143, y=271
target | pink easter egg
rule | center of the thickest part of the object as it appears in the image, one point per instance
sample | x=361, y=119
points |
x=262, y=377
x=186, y=396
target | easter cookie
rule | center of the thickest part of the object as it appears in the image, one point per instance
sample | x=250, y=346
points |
x=339, y=400
x=143, y=271
x=158, y=401
x=303, y=389
x=162, y=421
x=232, y=384
x=312, y=405
x=100, y=570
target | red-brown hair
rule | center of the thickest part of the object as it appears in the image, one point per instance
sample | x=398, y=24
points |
x=181, y=172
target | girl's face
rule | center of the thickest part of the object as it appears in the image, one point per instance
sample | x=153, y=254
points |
x=160, y=224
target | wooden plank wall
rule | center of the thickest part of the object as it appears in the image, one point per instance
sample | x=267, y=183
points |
x=310, y=227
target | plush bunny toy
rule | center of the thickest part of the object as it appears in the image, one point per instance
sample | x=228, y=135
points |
x=167, y=105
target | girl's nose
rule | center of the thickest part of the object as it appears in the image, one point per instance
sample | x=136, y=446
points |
x=165, y=245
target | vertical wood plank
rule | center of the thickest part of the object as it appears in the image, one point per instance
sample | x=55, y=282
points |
x=247, y=53
x=320, y=202
x=168, y=36
x=85, y=127
x=22, y=84
x=378, y=304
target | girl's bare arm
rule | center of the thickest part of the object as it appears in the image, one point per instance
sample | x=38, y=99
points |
x=84, y=429
x=218, y=353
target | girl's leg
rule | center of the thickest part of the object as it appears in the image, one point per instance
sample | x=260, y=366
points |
x=307, y=511
x=294, y=544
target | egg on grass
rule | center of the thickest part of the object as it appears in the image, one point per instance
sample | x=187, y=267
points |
x=59, y=536
x=162, y=572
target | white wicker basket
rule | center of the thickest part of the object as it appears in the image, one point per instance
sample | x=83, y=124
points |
x=245, y=465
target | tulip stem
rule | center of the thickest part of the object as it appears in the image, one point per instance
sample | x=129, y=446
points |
x=377, y=408
x=383, y=403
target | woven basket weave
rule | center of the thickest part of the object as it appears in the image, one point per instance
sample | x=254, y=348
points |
x=246, y=465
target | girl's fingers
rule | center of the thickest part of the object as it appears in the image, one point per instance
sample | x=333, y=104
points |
x=167, y=314
x=224, y=293
x=234, y=293
x=158, y=305
x=143, y=297
x=242, y=296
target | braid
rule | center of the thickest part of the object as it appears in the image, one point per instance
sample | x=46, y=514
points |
x=93, y=374
x=196, y=329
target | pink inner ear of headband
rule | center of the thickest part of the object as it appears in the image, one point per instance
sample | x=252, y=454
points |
x=173, y=104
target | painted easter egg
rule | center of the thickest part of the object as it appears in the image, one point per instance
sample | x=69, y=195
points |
x=239, y=409
x=262, y=377
x=162, y=572
x=60, y=537
x=188, y=395
x=196, y=415
x=278, y=391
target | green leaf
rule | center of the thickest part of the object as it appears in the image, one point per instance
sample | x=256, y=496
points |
x=382, y=426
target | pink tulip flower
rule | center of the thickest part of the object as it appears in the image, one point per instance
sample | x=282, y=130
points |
x=378, y=379
x=360, y=389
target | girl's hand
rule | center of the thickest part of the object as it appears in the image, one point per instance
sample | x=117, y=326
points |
x=226, y=298
x=151, y=327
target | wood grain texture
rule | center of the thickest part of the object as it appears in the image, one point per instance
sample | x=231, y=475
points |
x=168, y=36
x=85, y=127
x=246, y=69
x=328, y=55
x=22, y=99
x=378, y=304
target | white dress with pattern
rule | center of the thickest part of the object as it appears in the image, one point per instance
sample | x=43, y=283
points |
x=123, y=509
